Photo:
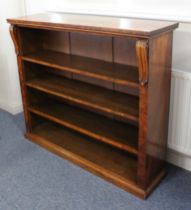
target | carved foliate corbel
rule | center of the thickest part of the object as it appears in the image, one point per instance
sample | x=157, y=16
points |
x=142, y=56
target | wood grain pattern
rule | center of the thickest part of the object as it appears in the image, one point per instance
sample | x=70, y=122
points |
x=142, y=56
x=13, y=33
x=124, y=106
x=158, y=103
x=115, y=133
x=30, y=40
x=86, y=45
x=96, y=91
x=95, y=24
x=100, y=159
x=113, y=72
x=154, y=109
x=119, y=163
x=16, y=40
x=124, y=50
x=128, y=182
x=55, y=40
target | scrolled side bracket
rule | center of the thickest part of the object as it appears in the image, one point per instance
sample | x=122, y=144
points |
x=142, y=56
x=13, y=32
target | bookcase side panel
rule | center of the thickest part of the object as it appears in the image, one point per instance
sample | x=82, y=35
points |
x=160, y=56
x=16, y=37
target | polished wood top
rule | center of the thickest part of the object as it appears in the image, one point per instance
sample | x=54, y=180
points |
x=92, y=23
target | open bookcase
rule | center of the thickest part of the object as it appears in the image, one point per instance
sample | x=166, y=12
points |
x=97, y=93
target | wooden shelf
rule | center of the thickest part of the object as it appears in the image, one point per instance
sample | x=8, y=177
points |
x=113, y=72
x=115, y=103
x=90, y=154
x=97, y=93
x=120, y=135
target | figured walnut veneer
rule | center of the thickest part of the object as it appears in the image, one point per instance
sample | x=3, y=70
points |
x=96, y=91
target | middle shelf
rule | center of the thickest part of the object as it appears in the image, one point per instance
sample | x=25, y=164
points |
x=119, y=105
x=115, y=133
x=95, y=68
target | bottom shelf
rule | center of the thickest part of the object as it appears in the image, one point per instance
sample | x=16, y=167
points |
x=110, y=163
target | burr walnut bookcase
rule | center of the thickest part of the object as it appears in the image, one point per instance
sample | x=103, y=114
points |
x=95, y=91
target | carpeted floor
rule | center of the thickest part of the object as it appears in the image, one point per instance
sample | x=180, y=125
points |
x=32, y=178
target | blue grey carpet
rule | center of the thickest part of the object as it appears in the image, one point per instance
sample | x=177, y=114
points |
x=32, y=178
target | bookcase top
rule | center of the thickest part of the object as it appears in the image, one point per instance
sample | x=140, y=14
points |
x=96, y=24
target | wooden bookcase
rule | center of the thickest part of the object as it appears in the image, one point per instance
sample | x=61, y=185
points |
x=96, y=91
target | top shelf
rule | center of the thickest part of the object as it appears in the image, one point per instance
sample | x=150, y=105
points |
x=95, y=24
x=112, y=72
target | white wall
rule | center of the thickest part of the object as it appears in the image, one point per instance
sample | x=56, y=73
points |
x=161, y=9
x=10, y=99
x=173, y=9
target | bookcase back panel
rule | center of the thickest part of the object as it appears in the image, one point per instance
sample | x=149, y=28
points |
x=125, y=51
x=56, y=41
x=33, y=40
x=30, y=40
x=94, y=46
x=106, y=48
